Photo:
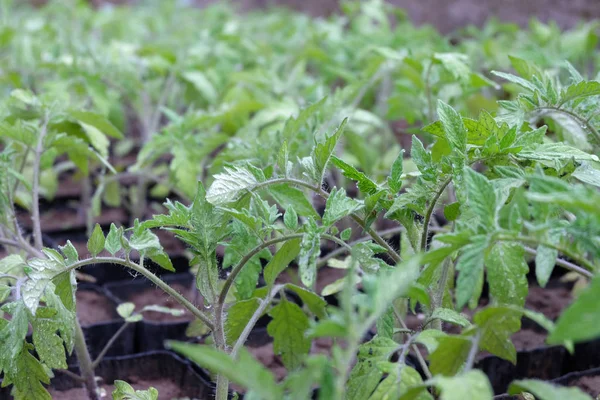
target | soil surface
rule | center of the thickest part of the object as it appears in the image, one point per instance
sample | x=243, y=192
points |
x=156, y=296
x=93, y=307
x=167, y=389
x=589, y=384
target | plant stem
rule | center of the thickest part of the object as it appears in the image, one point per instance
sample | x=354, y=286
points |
x=429, y=212
x=35, y=212
x=71, y=375
x=252, y=322
x=439, y=296
x=531, y=240
x=565, y=264
x=9, y=242
x=86, y=366
x=549, y=109
x=418, y=354
x=473, y=352
x=341, y=250
x=240, y=265
x=152, y=278
x=109, y=344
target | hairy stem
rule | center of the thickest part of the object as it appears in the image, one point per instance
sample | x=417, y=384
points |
x=152, y=278
x=342, y=250
x=439, y=295
x=473, y=352
x=549, y=109
x=250, y=325
x=415, y=349
x=429, y=213
x=86, y=366
x=35, y=195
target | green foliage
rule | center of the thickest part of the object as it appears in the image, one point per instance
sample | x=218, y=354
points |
x=124, y=391
x=546, y=391
x=281, y=154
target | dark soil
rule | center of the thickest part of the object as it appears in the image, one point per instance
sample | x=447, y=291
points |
x=589, y=384
x=550, y=301
x=94, y=307
x=156, y=296
x=167, y=389
x=60, y=218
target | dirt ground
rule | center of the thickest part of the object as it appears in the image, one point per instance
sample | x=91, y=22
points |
x=446, y=15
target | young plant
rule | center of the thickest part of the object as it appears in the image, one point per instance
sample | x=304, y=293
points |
x=523, y=202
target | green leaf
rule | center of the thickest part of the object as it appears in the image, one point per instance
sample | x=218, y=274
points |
x=95, y=243
x=346, y=234
x=40, y=271
x=449, y=355
x=231, y=185
x=113, y=239
x=452, y=211
x=290, y=218
x=288, y=329
x=238, y=316
x=124, y=391
x=385, y=324
x=470, y=268
x=97, y=121
x=545, y=259
x=507, y=273
x=546, y=391
x=315, y=303
x=292, y=198
x=339, y=206
x=580, y=90
x=399, y=379
x=497, y=324
x=481, y=197
x=70, y=252
x=429, y=338
x=245, y=371
x=395, y=179
x=449, y=315
x=363, y=182
x=455, y=130
x=310, y=249
x=12, y=335
x=518, y=80
x=48, y=345
x=202, y=85
x=365, y=376
x=148, y=245
x=587, y=174
x=27, y=376
x=284, y=256
x=125, y=309
x=389, y=284
x=470, y=385
x=456, y=64
x=579, y=322
x=423, y=160
x=555, y=151
x=323, y=151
